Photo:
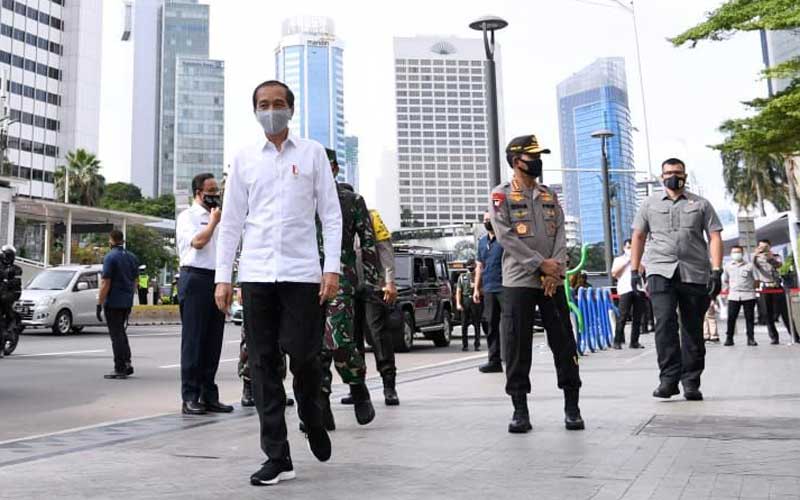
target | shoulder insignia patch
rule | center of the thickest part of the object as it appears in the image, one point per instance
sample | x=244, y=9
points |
x=498, y=199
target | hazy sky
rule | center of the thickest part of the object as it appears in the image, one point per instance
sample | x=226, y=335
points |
x=689, y=91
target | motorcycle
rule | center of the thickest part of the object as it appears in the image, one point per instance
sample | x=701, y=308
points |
x=10, y=291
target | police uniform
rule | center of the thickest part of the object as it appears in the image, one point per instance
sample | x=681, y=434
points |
x=678, y=268
x=529, y=224
x=472, y=312
x=765, y=269
x=741, y=294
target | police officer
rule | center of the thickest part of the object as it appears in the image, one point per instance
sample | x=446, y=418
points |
x=681, y=274
x=529, y=223
x=144, y=284
x=471, y=310
x=115, y=298
x=765, y=267
x=202, y=323
x=489, y=292
x=738, y=280
x=340, y=346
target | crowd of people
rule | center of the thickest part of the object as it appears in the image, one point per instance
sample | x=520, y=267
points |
x=315, y=267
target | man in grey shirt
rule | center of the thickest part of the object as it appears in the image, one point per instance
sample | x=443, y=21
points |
x=681, y=276
x=765, y=271
x=738, y=279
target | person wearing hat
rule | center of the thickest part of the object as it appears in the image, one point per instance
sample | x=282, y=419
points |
x=529, y=223
x=471, y=310
x=144, y=285
x=339, y=345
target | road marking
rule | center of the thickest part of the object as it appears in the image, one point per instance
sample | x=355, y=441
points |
x=65, y=353
x=175, y=334
x=443, y=363
x=221, y=361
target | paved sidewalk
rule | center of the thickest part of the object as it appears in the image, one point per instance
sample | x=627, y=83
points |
x=448, y=439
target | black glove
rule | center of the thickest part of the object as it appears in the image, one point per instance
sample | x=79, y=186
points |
x=715, y=283
x=637, y=284
x=99, y=313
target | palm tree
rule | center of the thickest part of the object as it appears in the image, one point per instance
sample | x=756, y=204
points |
x=751, y=179
x=86, y=185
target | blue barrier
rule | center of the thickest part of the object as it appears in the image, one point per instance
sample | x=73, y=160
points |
x=595, y=305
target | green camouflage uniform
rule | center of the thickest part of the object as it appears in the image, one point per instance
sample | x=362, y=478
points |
x=339, y=344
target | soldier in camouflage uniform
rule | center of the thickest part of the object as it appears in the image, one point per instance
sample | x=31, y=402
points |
x=340, y=346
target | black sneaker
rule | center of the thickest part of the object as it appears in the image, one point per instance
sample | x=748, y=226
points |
x=728, y=341
x=115, y=376
x=491, y=368
x=319, y=443
x=273, y=472
x=692, y=394
x=465, y=349
x=666, y=391
x=752, y=342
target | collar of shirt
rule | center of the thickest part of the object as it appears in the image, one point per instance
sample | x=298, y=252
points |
x=684, y=195
x=291, y=140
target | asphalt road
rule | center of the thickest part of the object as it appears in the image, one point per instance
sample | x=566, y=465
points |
x=52, y=384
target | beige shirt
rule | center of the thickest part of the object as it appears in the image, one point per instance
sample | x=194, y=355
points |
x=738, y=279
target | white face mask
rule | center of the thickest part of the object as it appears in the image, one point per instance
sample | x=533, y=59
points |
x=274, y=121
x=737, y=257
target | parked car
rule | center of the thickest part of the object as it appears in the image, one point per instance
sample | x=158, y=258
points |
x=62, y=298
x=424, y=297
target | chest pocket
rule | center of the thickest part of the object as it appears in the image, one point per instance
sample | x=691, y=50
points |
x=521, y=218
x=659, y=218
x=691, y=216
x=550, y=216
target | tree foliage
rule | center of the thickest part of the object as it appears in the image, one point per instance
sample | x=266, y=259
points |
x=751, y=179
x=86, y=185
x=150, y=247
x=123, y=191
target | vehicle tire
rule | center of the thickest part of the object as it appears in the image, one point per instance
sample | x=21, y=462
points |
x=63, y=323
x=442, y=339
x=77, y=329
x=405, y=341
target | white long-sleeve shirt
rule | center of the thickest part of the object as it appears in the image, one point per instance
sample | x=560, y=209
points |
x=190, y=222
x=270, y=201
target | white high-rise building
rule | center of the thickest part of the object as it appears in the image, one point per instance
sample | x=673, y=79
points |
x=442, y=130
x=50, y=54
x=309, y=59
x=780, y=46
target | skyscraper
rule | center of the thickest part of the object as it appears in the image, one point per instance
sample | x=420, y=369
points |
x=309, y=60
x=171, y=37
x=50, y=71
x=351, y=159
x=779, y=47
x=596, y=98
x=442, y=141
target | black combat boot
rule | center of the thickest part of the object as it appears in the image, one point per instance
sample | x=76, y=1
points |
x=247, y=394
x=362, y=403
x=327, y=415
x=729, y=340
x=572, y=414
x=389, y=392
x=521, y=420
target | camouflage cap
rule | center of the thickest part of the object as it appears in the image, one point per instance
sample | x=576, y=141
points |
x=526, y=144
x=332, y=156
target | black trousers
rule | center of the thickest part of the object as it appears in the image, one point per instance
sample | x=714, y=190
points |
x=283, y=318
x=775, y=305
x=518, y=311
x=492, y=312
x=143, y=296
x=630, y=303
x=202, y=328
x=116, y=319
x=471, y=316
x=373, y=314
x=680, y=357
x=749, y=316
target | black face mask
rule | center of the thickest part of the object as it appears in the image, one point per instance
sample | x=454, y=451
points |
x=488, y=226
x=534, y=167
x=212, y=201
x=674, y=183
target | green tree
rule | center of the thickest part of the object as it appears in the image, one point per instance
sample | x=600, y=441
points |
x=86, y=185
x=150, y=247
x=751, y=179
x=122, y=191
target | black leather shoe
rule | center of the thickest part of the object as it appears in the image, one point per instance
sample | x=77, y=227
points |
x=390, y=396
x=637, y=346
x=465, y=349
x=273, y=472
x=319, y=443
x=728, y=341
x=521, y=420
x=217, y=407
x=347, y=400
x=775, y=342
x=692, y=394
x=193, y=408
x=491, y=368
x=477, y=348
x=129, y=369
x=327, y=415
x=247, y=395
x=115, y=376
x=666, y=391
x=617, y=346
x=362, y=404
x=752, y=342
x=572, y=414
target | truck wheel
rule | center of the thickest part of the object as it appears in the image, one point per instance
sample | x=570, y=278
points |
x=442, y=339
x=405, y=342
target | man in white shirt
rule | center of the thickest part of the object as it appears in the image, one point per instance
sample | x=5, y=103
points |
x=630, y=302
x=273, y=191
x=202, y=323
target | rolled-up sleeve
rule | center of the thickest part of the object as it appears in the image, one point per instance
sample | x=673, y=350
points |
x=229, y=233
x=329, y=212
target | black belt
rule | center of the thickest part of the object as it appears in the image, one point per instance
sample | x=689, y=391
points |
x=198, y=270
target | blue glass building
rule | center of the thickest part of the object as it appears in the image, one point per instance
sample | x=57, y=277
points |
x=596, y=98
x=309, y=59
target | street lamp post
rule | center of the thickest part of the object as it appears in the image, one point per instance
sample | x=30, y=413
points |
x=488, y=25
x=603, y=135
